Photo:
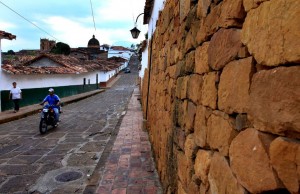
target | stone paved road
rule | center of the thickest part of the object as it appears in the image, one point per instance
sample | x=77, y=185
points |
x=32, y=163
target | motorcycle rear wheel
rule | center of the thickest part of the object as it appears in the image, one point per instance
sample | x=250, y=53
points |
x=43, y=126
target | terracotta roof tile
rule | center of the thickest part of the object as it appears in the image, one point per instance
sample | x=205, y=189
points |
x=69, y=65
x=120, y=48
x=117, y=59
x=7, y=35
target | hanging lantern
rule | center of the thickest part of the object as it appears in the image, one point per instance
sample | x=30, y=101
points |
x=135, y=32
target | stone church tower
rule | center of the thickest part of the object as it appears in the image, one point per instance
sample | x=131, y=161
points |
x=46, y=45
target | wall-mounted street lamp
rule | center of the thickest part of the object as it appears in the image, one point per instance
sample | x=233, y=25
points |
x=134, y=31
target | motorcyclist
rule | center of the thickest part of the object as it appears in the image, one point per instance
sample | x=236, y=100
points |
x=53, y=100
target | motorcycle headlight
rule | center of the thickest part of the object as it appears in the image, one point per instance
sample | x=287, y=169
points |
x=45, y=110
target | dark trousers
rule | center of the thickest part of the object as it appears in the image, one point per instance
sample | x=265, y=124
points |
x=16, y=103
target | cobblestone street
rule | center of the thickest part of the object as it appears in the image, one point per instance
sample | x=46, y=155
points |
x=63, y=160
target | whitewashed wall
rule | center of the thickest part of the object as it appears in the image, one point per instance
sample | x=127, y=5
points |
x=144, y=62
x=50, y=80
x=0, y=72
x=119, y=53
x=158, y=5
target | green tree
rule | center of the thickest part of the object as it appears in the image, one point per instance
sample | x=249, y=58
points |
x=61, y=48
x=10, y=52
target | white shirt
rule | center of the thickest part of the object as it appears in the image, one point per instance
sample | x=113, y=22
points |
x=16, y=93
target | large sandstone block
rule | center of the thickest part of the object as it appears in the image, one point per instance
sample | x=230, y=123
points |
x=203, y=8
x=193, y=187
x=232, y=14
x=189, y=117
x=190, y=148
x=174, y=55
x=250, y=4
x=209, y=90
x=285, y=158
x=192, y=26
x=194, y=90
x=221, y=178
x=180, y=107
x=250, y=161
x=275, y=101
x=190, y=62
x=179, y=137
x=184, y=9
x=200, y=126
x=202, y=165
x=209, y=25
x=223, y=48
x=201, y=59
x=233, y=93
x=272, y=32
x=184, y=170
x=182, y=85
x=166, y=18
x=220, y=132
x=180, y=189
x=171, y=72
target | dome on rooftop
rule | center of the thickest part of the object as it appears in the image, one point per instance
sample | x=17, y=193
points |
x=93, y=43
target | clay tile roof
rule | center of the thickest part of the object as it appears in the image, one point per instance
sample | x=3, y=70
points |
x=7, y=35
x=109, y=64
x=117, y=59
x=121, y=48
x=69, y=65
x=148, y=10
x=18, y=65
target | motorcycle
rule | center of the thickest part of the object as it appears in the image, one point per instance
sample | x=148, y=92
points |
x=47, y=118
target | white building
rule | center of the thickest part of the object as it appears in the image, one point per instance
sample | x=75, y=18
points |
x=67, y=75
x=119, y=51
x=9, y=36
x=150, y=18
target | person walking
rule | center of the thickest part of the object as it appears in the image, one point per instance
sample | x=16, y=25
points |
x=16, y=95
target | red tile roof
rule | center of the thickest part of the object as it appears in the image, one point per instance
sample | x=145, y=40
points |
x=7, y=35
x=69, y=65
x=117, y=59
x=119, y=48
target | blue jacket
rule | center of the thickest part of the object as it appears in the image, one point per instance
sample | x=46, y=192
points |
x=52, y=100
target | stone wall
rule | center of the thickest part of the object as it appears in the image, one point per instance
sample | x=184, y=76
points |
x=224, y=98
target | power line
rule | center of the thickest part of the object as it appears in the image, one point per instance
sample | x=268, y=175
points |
x=28, y=20
x=93, y=14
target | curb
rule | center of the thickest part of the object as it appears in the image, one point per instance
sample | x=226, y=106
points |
x=6, y=116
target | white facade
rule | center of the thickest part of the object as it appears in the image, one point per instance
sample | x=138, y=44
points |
x=119, y=53
x=51, y=80
x=144, y=62
x=158, y=6
x=1, y=75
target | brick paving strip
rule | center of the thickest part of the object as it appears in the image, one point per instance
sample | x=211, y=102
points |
x=129, y=167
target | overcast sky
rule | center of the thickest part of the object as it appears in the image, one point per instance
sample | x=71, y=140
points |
x=71, y=22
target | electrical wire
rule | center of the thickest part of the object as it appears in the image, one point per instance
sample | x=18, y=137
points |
x=93, y=14
x=28, y=20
